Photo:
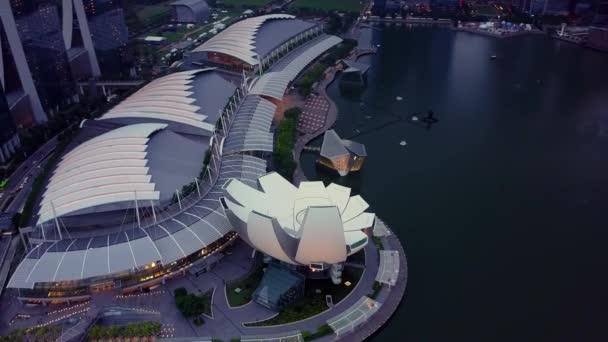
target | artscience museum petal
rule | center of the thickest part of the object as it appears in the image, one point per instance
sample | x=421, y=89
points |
x=310, y=225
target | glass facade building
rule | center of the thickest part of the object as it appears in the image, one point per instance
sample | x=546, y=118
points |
x=40, y=31
x=110, y=35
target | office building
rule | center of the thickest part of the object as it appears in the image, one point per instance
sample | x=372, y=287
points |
x=19, y=89
x=110, y=37
x=40, y=31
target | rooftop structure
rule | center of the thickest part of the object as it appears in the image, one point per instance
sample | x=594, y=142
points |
x=354, y=316
x=279, y=287
x=353, y=72
x=340, y=154
x=189, y=101
x=190, y=11
x=111, y=171
x=273, y=84
x=312, y=225
x=127, y=166
x=257, y=41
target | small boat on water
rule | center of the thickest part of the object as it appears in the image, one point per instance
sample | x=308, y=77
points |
x=402, y=143
x=398, y=98
x=493, y=57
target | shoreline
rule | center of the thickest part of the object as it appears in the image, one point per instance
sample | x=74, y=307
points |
x=495, y=35
x=390, y=297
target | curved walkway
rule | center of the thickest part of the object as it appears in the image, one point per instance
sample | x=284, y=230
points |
x=229, y=322
x=390, y=297
x=332, y=116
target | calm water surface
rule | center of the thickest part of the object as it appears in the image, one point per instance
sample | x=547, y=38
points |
x=502, y=206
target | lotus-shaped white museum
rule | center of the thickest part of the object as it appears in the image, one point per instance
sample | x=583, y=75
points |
x=311, y=225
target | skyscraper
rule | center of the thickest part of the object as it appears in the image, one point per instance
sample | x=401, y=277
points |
x=110, y=36
x=20, y=91
x=39, y=29
x=9, y=139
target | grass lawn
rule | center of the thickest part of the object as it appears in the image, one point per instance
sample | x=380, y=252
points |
x=150, y=11
x=329, y=5
x=173, y=37
x=182, y=32
x=313, y=301
x=246, y=285
x=245, y=3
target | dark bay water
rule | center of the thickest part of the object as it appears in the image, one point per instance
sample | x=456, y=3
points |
x=502, y=206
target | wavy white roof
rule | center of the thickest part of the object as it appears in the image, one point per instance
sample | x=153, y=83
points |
x=274, y=83
x=238, y=40
x=168, y=99
x=107, y=169
x=317, y=221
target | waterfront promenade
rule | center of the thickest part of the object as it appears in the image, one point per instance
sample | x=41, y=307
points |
x=330, y=119
x=498, y=34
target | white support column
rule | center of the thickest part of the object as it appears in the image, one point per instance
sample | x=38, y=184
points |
x=83, y=25
x=198, y=189
x=137, y=211
x=23, y=70
x=238, y=94
x=179, y=200
x=224, y=128
x=56, y=221
x=153, y=212
x=43, y=233
x=209, y=174
x=213, y=162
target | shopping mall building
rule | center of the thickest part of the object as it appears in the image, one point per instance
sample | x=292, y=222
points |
x=135, y=200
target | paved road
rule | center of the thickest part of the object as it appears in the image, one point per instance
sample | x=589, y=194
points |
x=229, y=322
x=29, y=168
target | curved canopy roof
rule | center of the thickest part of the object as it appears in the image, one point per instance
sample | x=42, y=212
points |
x=311, y=223
x=238, y=40
x=250, y=130
x=177, y=99
x=173, y=238
x=110, y=168
x=274, y=83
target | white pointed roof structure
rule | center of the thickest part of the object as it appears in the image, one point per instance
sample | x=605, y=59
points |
x=274, y=83
x=172, y=99
x=108, y=169
x=238, y=40
x=304, y=225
